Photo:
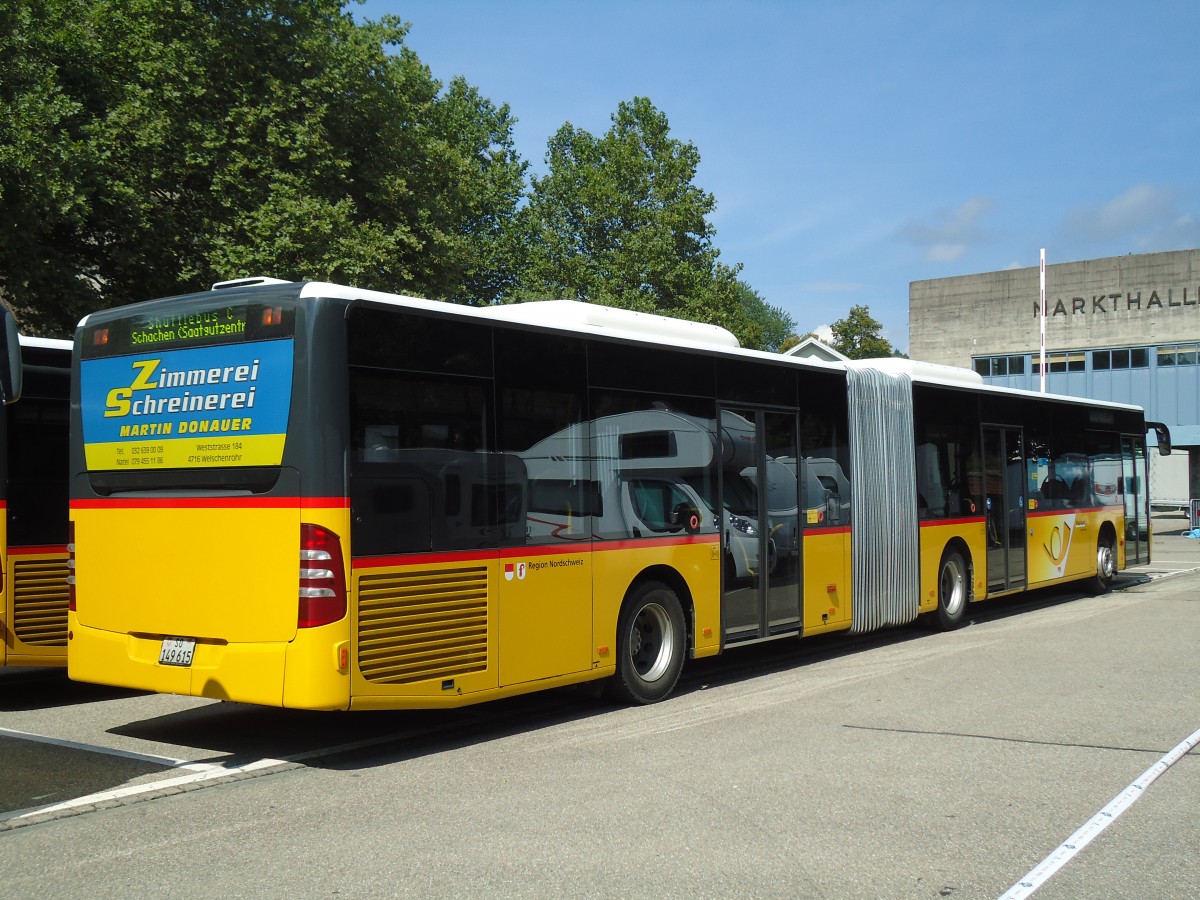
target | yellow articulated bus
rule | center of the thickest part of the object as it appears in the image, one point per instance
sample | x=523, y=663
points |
x=313, y=496
x=33, y=498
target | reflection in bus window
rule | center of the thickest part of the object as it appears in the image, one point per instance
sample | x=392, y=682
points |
x=949, y=480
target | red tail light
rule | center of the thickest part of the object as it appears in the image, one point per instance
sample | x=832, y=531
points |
x=71, y=566
x=322, y=578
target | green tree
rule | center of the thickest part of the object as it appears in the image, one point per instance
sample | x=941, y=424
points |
x=45, y=168
x=771, y=325
x=857, y=336
x=617, y=220
x=158, y=147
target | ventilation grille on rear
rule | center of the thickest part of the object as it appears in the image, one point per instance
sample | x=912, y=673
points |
x=39, y=589
x=416, y=626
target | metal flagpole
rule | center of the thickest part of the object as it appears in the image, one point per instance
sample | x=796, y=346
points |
x=1042, y=363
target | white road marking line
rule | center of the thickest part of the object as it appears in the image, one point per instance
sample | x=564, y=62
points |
x=210, y=773
x=198, y=772
x=1042, y=872
x=167, y=761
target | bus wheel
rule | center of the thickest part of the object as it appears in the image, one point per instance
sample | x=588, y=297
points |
x=953, y=591
x=650, y=645
x=1106, y=565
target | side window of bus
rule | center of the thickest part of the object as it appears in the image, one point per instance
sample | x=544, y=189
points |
x=422, y=476
x=1104, y=455
x=949, y=474
x=541, y=397
x=1069, y=476
x=653, y=459
x=826, y=492
x=37, y=471
x=824, y=488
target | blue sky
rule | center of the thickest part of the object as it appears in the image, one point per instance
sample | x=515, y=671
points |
x=853, y=147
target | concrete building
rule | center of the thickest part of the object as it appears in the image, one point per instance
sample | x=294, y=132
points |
x=1126, y=328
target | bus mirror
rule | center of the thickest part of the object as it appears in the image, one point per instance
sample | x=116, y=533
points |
x=687, y=516
x=1162, y=435
x=10, y=365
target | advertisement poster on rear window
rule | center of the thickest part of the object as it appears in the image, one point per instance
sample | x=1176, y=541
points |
x=201, y=407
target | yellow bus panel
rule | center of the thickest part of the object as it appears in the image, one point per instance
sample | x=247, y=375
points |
x=827, y=588
x=452, y=629
x=229, y=581
x=1062, y=545
x=226, y=574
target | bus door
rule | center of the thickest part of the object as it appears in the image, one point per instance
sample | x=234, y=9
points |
x=760, y=534
x=1137, y=501
x=1004, y=480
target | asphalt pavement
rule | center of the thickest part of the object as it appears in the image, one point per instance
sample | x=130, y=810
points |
x=906, y=763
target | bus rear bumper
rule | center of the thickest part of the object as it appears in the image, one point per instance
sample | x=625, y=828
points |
x=244, y=673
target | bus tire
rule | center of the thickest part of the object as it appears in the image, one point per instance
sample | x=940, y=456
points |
x=651, y=645
x=954, y=590
x=1106, y=564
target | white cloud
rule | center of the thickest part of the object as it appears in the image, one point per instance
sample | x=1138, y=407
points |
x=1142, y=207
x=1145, y=218
x=947, y=234
x=945, y=252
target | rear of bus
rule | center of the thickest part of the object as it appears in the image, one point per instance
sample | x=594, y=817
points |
x=208, y=503
x=33, y=498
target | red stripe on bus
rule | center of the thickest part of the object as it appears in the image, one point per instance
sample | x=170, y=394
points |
x=1040, y=513
x=37, y=551
x=966, y=520
x=324, y=502
x=642, y=543
x=508, y=553
x=215, y=503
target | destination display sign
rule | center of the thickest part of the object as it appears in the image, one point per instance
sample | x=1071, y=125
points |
x=191, y=326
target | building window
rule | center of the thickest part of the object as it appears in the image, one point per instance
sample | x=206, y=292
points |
x=1125, y=358
x=1061, y=362
x=1178, y=354
x=999, y=366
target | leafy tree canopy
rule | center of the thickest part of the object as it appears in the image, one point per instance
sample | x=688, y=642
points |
x=152, y=148
x=774, y=326
x=857, y=336
x=618, y=220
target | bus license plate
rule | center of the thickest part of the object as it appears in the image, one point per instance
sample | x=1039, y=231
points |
x=177, y=651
